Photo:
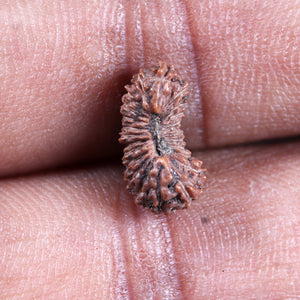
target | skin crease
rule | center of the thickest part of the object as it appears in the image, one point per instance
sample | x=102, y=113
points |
x=76, y=233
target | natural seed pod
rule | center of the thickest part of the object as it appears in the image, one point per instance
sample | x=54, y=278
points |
x=160, y=172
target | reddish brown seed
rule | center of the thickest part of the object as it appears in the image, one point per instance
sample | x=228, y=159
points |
x=160, y=172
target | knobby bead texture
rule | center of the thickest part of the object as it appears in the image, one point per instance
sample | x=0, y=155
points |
x=160, y=172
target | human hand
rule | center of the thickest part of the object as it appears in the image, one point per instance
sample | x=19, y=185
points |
x=75, y=232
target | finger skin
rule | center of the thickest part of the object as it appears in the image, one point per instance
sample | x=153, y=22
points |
x=64, y=66
x=77, y=234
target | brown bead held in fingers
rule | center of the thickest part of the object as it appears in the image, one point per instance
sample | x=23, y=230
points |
x=160, y=172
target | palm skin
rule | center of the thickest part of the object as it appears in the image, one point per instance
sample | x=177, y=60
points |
x=74, y=231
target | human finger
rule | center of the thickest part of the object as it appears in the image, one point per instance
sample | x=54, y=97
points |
x=77, y=233
x=65, y=66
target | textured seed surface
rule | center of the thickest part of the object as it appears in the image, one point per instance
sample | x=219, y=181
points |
x=160, y=172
